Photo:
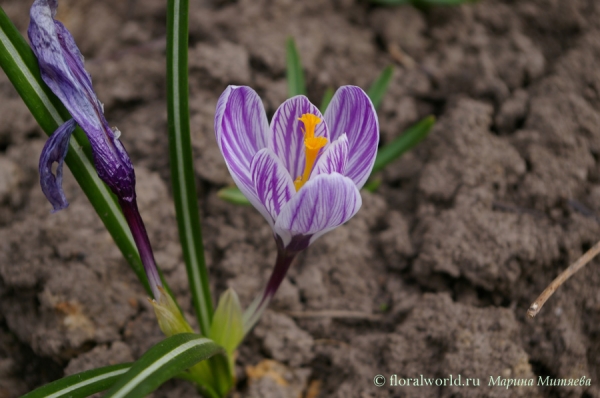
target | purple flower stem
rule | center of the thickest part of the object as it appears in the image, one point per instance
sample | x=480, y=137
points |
x=285, y=257
x=138, y=230
x=282, y=265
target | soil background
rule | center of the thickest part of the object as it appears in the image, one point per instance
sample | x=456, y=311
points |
x=438, y=267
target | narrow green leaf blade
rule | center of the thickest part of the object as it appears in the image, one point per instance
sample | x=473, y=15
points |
x=81, y=384
x=411, y=137
x=372, y=185
x=162, y=362
x=233, y=195
x=182, y=168
x=20, y=65
x=295, y=74
x=380, y=86
x=327, y=96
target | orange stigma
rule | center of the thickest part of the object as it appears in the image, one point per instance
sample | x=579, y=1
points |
x=312, y=144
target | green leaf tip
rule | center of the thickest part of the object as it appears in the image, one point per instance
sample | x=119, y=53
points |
x=327, y=96
x=411, y=137
x=380, y=86
x=227, y=328
x=233, y=195
x=372, y=185
x=295, y=74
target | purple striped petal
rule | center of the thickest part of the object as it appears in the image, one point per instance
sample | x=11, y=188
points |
x=61, y=64
x=62, y=69
x=241, y=128
x=324, y=203
x=55, y=150
x=273, y=184
x=221, y=104
x=333, y=159
x=352, y=112
x=287, y=140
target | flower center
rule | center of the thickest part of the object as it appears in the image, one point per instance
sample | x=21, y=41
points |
x=312, y=144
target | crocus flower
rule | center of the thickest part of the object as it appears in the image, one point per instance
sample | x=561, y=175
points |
x=302, y=172
x=61, y=66
x=62, y=69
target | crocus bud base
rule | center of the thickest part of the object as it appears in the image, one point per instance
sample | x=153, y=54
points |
x=170, y=319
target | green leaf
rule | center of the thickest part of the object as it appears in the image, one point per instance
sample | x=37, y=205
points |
x=227, y=328
x=222, y=372
x=372, y=185
x=295, y=75
x=20, y=65
x=380, y=86
x=411, y=137
x=182, y=168
x=233, y=195
x=81, y=384
x=327, y=96
x=162, y=362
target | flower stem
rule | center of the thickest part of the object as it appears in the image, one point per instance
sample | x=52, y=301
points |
x=258, y=306
x=140, y=236
x=282, y=265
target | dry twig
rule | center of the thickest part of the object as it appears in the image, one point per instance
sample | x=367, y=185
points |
x=537, y=305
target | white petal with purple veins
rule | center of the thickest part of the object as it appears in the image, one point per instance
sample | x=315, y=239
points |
x=324, y=203
x=221, y=104
x=273, y=184
x=241, y=124
x=287, y=140
x=334, y=158
x=351, y=111
x=241, y=128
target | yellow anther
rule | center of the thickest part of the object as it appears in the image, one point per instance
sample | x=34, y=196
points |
x=310, y=122
x=312, y=144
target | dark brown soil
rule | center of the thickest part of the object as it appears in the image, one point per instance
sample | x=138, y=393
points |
x=462, y=235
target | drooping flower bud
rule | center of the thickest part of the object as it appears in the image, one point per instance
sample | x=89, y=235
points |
x=62, y=69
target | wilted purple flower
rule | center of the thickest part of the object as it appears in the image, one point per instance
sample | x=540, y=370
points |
x=61, y=66
x=302, y=172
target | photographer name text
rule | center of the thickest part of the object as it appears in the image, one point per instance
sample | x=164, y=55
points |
x=494, y=381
